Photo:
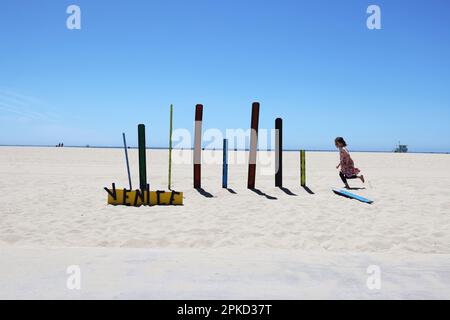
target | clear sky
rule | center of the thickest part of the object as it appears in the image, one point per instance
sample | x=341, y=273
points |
x=313, y=63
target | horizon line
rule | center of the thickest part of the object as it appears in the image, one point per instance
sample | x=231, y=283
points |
x=211, y=149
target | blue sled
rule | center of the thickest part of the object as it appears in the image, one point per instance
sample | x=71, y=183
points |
x=351, y=196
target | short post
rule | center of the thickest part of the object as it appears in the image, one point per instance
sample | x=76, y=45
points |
x=253, y=146
x=142, y=157
x=279, y=152
x=170, y=147
x=198, y=146
x=225, y=164
x=126, y=158
x=303, y=168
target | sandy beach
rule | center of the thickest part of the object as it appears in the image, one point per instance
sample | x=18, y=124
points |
x=175, y=91
x=53, y=199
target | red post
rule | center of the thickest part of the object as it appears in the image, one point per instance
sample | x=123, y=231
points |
x=253, y=146
x=198, y=146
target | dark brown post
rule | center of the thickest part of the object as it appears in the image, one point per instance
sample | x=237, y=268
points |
x=279, y=152
x=142, y=157
x=253, y=146
x=198, y=146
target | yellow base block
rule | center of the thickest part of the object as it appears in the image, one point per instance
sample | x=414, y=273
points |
x=137, y=198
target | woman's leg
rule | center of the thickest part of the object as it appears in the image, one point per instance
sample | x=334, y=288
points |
x=344, y=179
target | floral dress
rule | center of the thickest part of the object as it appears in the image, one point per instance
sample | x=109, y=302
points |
x=347, y=164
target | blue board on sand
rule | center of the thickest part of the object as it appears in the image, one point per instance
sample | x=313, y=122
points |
x=351, y=196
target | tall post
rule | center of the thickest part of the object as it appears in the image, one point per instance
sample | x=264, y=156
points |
x=170, y=147
x=126, y=158
x=279, y=152
x=198, y=146
x=225, y=164
x=303, y=168
x=142, y=157
x=253, y=146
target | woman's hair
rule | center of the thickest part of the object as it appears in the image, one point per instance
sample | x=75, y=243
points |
x=340, y=140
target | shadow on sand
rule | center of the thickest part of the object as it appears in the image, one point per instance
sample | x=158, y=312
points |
x=260, y=193
x=204, y=193
x=287, y=191
x=308, y=190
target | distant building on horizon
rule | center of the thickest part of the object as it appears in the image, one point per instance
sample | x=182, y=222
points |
x=402, y=148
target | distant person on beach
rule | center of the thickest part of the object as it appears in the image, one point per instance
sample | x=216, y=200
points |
x=347, y=166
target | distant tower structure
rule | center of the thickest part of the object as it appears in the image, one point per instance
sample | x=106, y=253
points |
x=402, y=148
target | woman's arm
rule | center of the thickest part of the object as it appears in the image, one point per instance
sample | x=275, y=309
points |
x=341, y=155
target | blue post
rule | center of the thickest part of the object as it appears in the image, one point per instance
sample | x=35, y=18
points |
x=225, y=164
x=126, y=158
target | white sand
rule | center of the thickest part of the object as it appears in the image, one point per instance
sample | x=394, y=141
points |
x=54, y=198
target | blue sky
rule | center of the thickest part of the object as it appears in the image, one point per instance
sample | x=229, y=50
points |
x=313, y=63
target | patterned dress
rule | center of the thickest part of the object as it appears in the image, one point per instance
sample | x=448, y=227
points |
x=347, y=164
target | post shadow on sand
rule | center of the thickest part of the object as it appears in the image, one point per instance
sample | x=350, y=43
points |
x=231, y=190
x=260, y=193
x=204, y=193
x=308, y=190
x=287, y=191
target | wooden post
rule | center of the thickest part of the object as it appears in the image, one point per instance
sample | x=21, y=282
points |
x=142, y=157
x=303, y=168
x=225, y=164
x=253, y=146
x=198, y=147
x=126, y=158
x=279, y=152
x=170, y=147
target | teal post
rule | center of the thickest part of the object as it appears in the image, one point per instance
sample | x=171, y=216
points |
x=225, y=164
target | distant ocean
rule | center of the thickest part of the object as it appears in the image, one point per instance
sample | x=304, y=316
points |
x=218, y=149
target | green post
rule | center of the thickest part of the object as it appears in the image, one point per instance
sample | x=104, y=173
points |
x=303, y=168
x=170, y=147
x=142, y=157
